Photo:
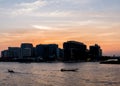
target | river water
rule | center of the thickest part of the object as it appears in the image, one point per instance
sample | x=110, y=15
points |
x=49, y=74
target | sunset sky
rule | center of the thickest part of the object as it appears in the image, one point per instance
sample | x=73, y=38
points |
x=57, y=21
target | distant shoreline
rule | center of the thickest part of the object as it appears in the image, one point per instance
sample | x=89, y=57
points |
x=35, y=61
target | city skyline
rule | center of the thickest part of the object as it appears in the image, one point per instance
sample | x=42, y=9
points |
x=72, y=51
x=57, y=21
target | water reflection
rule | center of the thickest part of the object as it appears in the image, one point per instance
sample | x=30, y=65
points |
x=49, y=74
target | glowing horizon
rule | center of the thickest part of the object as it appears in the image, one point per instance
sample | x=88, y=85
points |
x=58, y=21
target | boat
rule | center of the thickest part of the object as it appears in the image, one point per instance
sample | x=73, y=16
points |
x=111, y=61
x=10, y=71
x=70, y=69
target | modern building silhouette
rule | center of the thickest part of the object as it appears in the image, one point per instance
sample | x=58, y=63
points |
x=5, y=53
x=95, y=52
x=60, y=54
x=27, y=50
x=74, y=50
x=40, y=51
x=46, y=51
x=14, y=52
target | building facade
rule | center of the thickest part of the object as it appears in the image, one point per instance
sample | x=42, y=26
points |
x=74, y=50
x=47, y=51
x=27, y=50
x=95, y=52
x=14, y=52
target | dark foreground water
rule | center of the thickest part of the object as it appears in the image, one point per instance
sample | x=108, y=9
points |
x=49, y=74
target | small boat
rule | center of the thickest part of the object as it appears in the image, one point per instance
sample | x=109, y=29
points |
x=73, y=69
x=111, y=61
x=10, y=71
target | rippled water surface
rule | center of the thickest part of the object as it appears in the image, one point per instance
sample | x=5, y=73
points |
x=49, y=74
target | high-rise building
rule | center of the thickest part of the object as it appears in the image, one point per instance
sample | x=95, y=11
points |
x=14, y=52
x=53, y=51
x=74, y=50
x=40, y=51
x=60, y=54
x=95, y=52
x=27, y=50
x=5, y=54
x=47, y=51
